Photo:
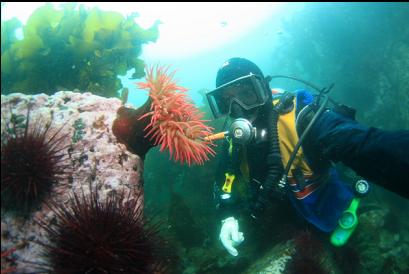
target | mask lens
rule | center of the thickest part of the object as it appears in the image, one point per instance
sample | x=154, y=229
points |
x=246, y=95
x=218, y=105
x=248, y=92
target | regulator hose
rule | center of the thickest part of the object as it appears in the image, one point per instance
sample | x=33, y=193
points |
x=269, y=188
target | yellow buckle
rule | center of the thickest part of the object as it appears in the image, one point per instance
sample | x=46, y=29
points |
x=228, y=182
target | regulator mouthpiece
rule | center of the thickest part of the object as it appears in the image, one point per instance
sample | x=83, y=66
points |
x=241, y=131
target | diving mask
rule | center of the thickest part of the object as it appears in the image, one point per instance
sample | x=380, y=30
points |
x=248, y=92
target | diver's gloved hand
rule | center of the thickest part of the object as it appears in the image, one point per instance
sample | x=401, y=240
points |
x=230, y=235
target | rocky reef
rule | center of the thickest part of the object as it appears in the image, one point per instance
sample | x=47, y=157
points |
x=94, y=157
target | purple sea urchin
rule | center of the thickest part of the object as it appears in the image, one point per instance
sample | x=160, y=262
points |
x=308, y=256
x=33, y=159
x=5, y=268
x=92, y=235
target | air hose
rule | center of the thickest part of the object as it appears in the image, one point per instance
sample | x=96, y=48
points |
x=275, y=168
x=321, y=93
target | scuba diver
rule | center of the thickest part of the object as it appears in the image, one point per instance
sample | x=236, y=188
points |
x=285, y=143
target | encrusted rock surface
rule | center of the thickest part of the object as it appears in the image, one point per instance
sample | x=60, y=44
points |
x=94, y=154
x=275, y=261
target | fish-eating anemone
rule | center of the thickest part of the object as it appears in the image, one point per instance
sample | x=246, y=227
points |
x=168, y=119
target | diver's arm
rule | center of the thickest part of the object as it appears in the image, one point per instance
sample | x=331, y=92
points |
x=230, y=236
x=380, y=156
x=226, y=200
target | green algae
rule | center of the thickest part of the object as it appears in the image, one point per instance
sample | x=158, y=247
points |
x=69, y=48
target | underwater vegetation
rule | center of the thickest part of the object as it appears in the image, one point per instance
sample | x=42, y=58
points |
x=94, y=235
x=71, y=49
x=167, y=118
x=33, y=159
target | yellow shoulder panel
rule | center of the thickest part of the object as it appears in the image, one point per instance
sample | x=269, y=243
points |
x=288, y=139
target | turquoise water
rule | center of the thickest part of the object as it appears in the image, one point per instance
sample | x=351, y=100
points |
x=363, y=48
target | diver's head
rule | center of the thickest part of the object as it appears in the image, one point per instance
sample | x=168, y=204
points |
x=235, y=68
x=240, y=91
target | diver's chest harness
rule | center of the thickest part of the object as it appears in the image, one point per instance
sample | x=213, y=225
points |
x=277, y=181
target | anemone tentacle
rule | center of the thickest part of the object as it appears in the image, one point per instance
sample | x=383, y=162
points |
x=176, y=124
